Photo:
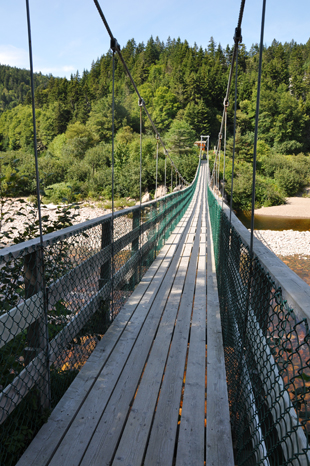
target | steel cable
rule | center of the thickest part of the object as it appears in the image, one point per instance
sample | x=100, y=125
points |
x=116, y=47
x=41, y=271
x=237, y=40
x=256, y=119
x=234, y=144
x=112, y=219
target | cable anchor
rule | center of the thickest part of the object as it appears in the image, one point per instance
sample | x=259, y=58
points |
x=140, y=102
x=115, y=45
x=237, y=36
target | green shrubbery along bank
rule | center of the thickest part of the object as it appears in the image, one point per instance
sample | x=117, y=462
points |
x=183, y=88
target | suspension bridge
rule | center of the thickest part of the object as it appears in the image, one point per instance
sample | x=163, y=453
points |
x=161, y=334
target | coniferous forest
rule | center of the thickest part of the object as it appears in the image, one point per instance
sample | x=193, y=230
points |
x=183, y=88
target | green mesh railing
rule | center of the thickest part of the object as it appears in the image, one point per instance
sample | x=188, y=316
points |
x=267, y=355
x=53, y=315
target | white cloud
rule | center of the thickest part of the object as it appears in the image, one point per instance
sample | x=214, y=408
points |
x=56, y=70
x=13, y=56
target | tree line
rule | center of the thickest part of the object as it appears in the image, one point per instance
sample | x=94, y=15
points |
x=183, y=87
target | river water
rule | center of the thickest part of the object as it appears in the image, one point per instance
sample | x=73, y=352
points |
x=264, y=222
x=300, y=265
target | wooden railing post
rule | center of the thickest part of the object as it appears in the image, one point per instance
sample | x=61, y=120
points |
x=105, y=269
x=135, y=247
x=37, y=333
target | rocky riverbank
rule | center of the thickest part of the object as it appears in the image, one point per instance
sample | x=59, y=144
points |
x=286, y=242
x=85, y=211
x=282, y=243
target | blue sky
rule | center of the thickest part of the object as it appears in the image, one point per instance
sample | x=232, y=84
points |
x=68, y=34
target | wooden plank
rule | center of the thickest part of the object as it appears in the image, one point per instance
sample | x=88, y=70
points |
x=20, y=317
x=49, y=437
x=104, y=441
x=134, y=438
x=72, y=449
x=161, y=446
x=191, y=441
x=218, y=439
x=52, y=430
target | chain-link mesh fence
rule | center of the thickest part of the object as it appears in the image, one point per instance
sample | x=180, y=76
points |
x=267, y=355
x=57, y=303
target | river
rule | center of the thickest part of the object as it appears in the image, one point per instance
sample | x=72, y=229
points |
x=300, y=264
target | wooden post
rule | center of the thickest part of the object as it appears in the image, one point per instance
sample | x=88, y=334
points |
x=105, y=269
x=37, y=333
x=135, y=247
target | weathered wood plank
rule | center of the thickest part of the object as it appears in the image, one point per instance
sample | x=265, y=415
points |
x=134, y=438
x=103, y=444
x=218, y=436
x=162, y=440
x=49, y=437
x=53, y=434
x=73, y=447
x=190, y=448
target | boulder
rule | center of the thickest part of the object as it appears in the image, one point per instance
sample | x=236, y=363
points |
x=146, y=197
x=161, y=191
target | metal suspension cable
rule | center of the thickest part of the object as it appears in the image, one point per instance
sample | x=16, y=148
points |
x=116, y=47
x=218, y=167
x=256, y=120
x=34, y=127
x=237, y=40
x=140, y=152
x=223, y=180
x=156, y=168
x=234, y=145
x=165, y=173
x=41, y=252
x=112, y=219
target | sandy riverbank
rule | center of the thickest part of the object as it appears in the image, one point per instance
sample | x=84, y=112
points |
x=295, y=207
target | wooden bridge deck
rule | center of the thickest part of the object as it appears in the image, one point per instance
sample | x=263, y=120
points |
x=141, y=399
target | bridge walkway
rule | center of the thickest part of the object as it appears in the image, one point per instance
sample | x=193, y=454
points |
x=141, y=397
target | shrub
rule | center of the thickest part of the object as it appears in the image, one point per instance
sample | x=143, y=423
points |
x=62, y=192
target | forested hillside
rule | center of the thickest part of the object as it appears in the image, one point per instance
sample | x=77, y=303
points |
x=183, y=88
x=15, y=86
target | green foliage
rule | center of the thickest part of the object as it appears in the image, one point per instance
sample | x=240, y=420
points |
x=15, y=86
x=61, y=192
x=267, y=193
x=181, y=137
x=181, y=85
